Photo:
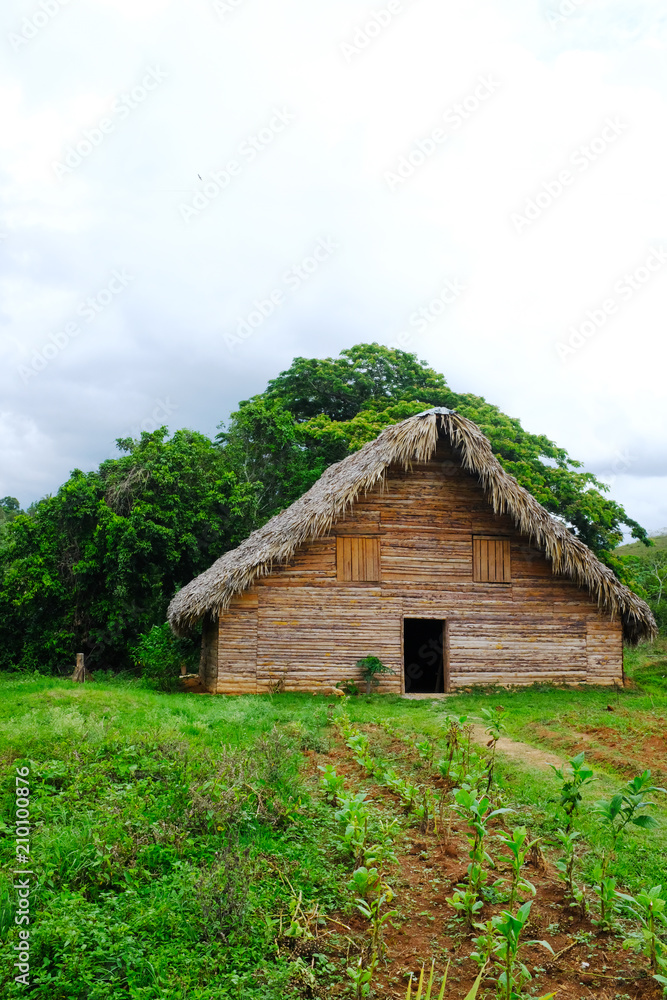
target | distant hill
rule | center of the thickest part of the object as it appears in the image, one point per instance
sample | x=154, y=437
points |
x=639, y=549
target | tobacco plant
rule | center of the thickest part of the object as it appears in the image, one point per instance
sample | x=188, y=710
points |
x=372, y=909
x=518, y=846
x=565, y=868
x=467, y=904
x=426, y=751
x=495, y=728
x=604, y=887
x=626, y=807
x=365, y=881
x=331, y=783
x=501, y=945
x=478, y=814
x=362, y=978
x=572, y=784
x=353, y=813
x=649, y=908
x=453, y=742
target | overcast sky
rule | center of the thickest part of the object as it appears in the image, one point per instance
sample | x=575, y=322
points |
x=193, y=193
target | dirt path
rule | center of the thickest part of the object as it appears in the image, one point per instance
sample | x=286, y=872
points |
x=520, y=752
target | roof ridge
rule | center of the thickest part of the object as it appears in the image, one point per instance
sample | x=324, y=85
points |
x=412, y=440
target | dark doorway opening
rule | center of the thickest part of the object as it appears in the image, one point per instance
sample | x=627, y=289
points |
x=424, y=655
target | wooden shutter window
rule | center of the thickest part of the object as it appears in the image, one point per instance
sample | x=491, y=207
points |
x=358, y=558
x=491, y=559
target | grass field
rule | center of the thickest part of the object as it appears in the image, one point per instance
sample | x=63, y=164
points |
x=639, y=549
x=183, y=846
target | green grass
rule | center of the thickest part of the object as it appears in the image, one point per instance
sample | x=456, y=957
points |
x=169, y=828
x=154, y=882
x=639, y=549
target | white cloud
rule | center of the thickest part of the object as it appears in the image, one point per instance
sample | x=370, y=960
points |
x=164, y=337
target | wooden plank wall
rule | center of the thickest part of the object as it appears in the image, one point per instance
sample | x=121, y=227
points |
x=304, y=626
x=605, y=649
x=237, y=647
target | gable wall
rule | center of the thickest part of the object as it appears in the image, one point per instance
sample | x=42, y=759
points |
x=301, y=627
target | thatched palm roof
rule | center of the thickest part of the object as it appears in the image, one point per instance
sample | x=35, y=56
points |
x=412, y=440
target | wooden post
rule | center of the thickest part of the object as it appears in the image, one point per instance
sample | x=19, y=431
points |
x=79, y=674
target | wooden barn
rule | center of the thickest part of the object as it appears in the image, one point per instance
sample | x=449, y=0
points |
x=421, y=550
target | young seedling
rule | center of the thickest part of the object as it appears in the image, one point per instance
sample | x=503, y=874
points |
x=649, y=908
x=478, y=814
x=605, y=889
x=495, y=728
x=354, y=814
x=427, y=810
x=331, y=783
x=452, y=739
x=572, y=784
x=372, y=910
x=625, y=807
x=518, y=846
x=565, y=869
x=503, y=943
x=467, y=904
x=361, y=978
x=365, y=881
x=426, y=751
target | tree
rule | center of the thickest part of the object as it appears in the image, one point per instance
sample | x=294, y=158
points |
x=95, y=566
x=320, y=410
x=647, y=575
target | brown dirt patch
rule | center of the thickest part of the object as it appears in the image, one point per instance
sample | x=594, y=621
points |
x=429, y=868
x=521, y=752
x=628, y=753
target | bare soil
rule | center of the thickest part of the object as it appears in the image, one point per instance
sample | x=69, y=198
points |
x=585, y=964
x=627, y=751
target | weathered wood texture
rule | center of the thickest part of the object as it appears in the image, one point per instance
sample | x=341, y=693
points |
x=306, y=626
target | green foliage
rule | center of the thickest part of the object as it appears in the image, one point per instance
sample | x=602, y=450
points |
x=429, y=986
x=93, y=567
x=466, y=903
x=153, y=847
x=372, y=908
x=320, y=410
x=572, y=785
x=628, y=806
x=331, y=783
x=361, y=977
x=371, y=670
x=9, y=509
x=650, y=909
x=646, y=573
x=501, y=945
x=565, y=866
x=160, y=654
x=365, y=881
x=518, y=846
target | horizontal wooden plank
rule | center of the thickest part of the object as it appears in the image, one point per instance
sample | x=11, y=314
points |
x=302, y=625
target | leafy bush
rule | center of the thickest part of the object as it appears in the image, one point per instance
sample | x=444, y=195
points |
x=160, y=655
x=371, y=667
